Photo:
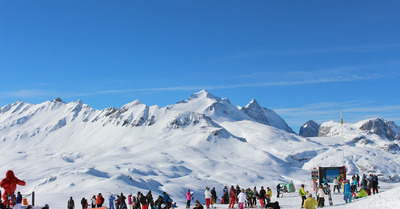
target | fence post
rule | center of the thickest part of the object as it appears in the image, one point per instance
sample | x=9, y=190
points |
x=33, y=198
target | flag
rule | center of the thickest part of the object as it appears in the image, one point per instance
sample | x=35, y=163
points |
x=341, y=118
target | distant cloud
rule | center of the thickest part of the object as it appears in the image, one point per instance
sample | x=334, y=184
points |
x=280, y=79
x=25, y=93
x=367, y=48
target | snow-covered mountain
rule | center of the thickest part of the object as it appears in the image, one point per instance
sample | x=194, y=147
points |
x=309, y=129
x=71, y=149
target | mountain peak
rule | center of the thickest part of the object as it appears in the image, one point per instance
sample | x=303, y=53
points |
x=253, y=104
x=309, y=129
x=204, y=94
x=58, y=99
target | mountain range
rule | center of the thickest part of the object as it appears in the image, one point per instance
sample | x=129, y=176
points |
x=62, y=149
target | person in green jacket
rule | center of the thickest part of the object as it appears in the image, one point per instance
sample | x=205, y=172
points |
x=302, y=193
x=362, y=193
x=310, y=202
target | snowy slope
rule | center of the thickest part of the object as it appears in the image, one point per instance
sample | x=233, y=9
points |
x=70, y=149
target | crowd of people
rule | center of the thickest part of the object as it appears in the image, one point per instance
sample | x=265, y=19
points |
x=243, y=197
x=352, y=189
x=138, y=201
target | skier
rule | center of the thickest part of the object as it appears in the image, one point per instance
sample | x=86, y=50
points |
x=18, y=202
x=93, y=201
x=362, y=193
x=303, y=194
x=117, y=202
x=278, y=190
x=255, y=195
x=250, y=195
x=242, y=199
x=225, y=197
x=130, y=203
x=197, y=205
x=188, y=198
x=71, y=203
x=122, y=203
x=84, y=203
x=213, y=197
x=207, y=195
x=98, y=200
x=232, y=197
x=375, y=184
x=336, y=185
x=167, y=200
x=159, y=202
x=268, y=195
x=347, y=191
x=262, y=196
x=144, y=201
x=111, y=201
x=321, y=196
x=150, y=199
x=309, y=203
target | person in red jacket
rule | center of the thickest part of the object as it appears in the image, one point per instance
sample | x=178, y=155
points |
x=232, y=197
x=99, y=200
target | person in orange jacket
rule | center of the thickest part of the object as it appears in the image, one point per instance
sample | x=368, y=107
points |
x=99, y=200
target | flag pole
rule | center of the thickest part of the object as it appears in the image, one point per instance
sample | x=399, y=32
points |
x=341, y=130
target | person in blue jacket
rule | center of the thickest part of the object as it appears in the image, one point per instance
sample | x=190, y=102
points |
x=347, y=191
x=167, y=200
x=111, y=200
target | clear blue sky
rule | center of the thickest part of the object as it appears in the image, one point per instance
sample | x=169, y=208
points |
x=304, y=59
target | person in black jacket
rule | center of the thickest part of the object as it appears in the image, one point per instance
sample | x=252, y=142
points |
x=197, y=205
x=122, y=203
x=83, y=203
x=262, y=196
x=71, y=203
x=150, y=199
x=144, y=201
x=159, y=202
x=213, y=197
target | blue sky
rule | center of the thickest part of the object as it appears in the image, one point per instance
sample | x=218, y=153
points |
x=304, y=59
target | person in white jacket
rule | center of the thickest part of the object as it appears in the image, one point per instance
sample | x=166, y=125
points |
x=321, y=196
x=336, y=185
x=207, y=195
x=242, y=199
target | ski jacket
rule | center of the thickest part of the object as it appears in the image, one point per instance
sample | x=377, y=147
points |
x=242, y=197
x=188, y=196
x=213, y=193
x=71, y=203
x=19, y=198
x=232, y=194
x=207, y=194
x=262, y=193
x=166, y=198
x=374, y=182
x=302, y=192
x=321, y=193
x=98, y=200
x=362, y=193
x=130, y=200
x=335, y=182
x=269, y=194
x=347, y=188
x=111, y=199
x=310, y=203
x=144, y=200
